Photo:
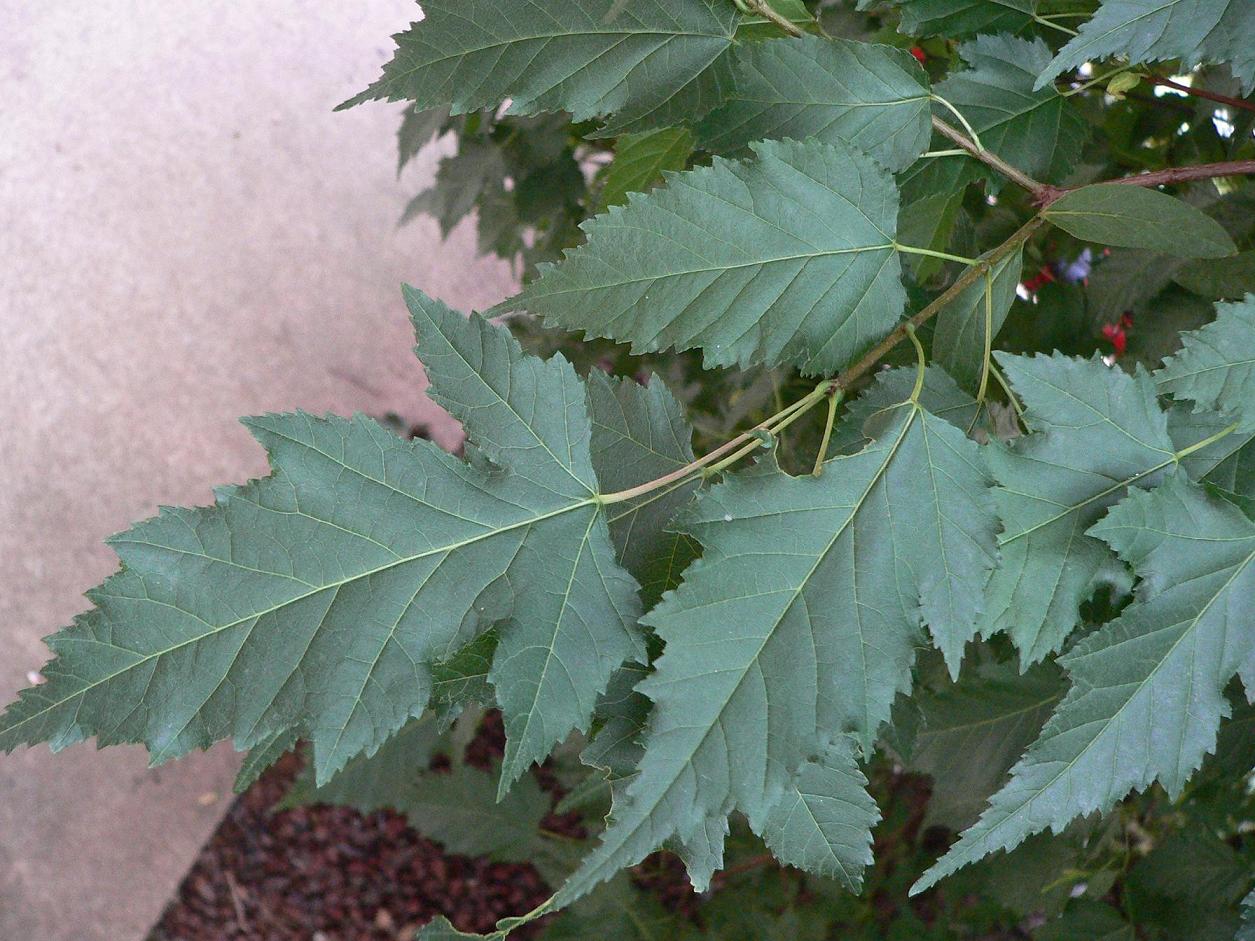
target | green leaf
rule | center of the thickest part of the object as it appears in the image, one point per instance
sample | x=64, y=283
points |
x=1228, y=463
x=639, y=434
x=439, y=929
x=1230, y=278
x=929, y=222
x=940, y=395
x=652, y=61
x=315, y=599
x=459, y=809
x=371, y=782
x=619, y=911
x=463, y=179
x=1193, y=31
x=966, y=327
x=463, y=679
x=1247, y=931
x=1040, y=132
x=822, y=821
x=974, y=731
x=640, y=160
x=788, y=257
x=801, y=617
x=417, y=130
x=1147, y=692
x=1097, y=431
x=1086, y=920
x=1136, y=217
x=1216, y=366
x=874, y=98
x=558, y=652
x=1193, y=867
x=262, y=757
x=954, y=18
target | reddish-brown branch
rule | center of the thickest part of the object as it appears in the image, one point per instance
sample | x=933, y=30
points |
x=754, y=862
x=1201, y=171
x=1202, y=93
x=989, y=158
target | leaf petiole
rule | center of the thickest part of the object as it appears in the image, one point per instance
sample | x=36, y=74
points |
x=986, y=363
x=1206, y=442
x=971, y=131
x=834, y=400
x=913, y=250
x=921, y=362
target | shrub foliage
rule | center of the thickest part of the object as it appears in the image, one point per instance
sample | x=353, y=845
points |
x=956, y=301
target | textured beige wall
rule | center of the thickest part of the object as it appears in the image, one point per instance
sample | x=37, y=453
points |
x=187, y=234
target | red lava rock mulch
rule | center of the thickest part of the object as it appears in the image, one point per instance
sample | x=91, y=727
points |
x=333, y=874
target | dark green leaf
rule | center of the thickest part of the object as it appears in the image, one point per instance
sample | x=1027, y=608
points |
x=1154, y=30
x=788, y=257
x=1220, y=278
x=1147, y=692
x=649, y=61
x=1136, y=217
x=1087, y=921
x=1040, y=132
x=875, y=98
x=641, y=159
x=973, y=732
x=1216, y=366
x=961, y=17
x=966, y=327
x=640, y=434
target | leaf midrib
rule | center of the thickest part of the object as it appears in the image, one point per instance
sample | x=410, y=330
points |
x=218, y=629
x=1110, y=720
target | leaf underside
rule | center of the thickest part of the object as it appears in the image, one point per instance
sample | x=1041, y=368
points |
x=1147, y=693
x=784, y=258
x=797, y=619
x=649, y=62
x=316, y=599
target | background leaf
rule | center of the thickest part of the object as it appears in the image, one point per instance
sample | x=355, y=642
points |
x=875, y=98
x=1216, y=365
x=788, y=257
x=1136, y=217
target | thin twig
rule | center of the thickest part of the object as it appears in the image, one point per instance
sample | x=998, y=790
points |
x=763, y=9
x=991, y=160
x=965, y=280
x=1202, y=93
x=1202, y=171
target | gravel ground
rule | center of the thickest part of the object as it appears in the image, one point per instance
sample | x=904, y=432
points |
x=332, y=874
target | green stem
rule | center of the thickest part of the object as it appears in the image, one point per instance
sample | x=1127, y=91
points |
x=962, y=283
x=733, y=450
x=989, y=338
x=1011, y=396
x=952, y=152
x=912, y=250
x=971, y=131
x=1046, y=21
x=921, y=362
x=1097, y=80
x=834, y=400
x=808, y=402
x=1206, y=442
x=683, y=472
